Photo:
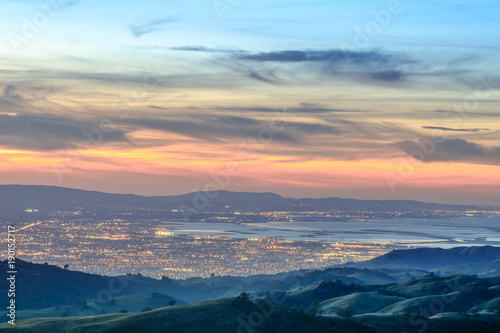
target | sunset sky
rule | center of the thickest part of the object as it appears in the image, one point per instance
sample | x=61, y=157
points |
x=362, y=99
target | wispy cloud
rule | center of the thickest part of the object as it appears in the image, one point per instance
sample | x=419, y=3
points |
x=368, y=66
x=266, y=76
x=211, y=128
x=337, y=56
x=49, y=132
x=203, y=49
x=9, y=92
x=141, y=29
x=301, y=108
x=68, y=3
x=451, y=150
x=455, y=129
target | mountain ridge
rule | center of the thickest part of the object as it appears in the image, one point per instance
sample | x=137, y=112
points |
x=42, y=195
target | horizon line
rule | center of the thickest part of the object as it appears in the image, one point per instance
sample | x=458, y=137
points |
x=242, y=192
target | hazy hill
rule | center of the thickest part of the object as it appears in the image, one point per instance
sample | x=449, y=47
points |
x=46, y=286
x=23, y=196
x=437, y=259
x=483, y=269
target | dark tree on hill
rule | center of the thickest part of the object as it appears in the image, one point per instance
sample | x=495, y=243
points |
x=146, y=309
x=313, y=309
x=123, y=311
x=344, y=312
x=171, y=302
x=243, y=297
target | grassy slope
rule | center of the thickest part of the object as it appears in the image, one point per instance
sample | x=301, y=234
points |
x=450, y=322
x=365, y=302
x=217, y=316
x=132, y=303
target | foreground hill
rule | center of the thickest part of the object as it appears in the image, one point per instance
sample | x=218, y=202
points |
x=217, y=316
x=130, y=303
x=426, y=296
x=241, y=315
x=448, y=322
x=360, y=303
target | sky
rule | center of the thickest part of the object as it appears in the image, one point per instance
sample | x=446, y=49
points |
x=371, y=99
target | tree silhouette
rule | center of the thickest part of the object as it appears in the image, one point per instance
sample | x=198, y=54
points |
x=344, y=312
x=243, y=297
x=313, y=309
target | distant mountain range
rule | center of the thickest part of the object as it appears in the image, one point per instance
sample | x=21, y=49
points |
x=393, y=295
x=50, y=197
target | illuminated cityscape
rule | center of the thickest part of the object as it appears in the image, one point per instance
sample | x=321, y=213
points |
x=127, y=240
x=119, y=247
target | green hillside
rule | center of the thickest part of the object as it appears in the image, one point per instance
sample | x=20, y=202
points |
x=359, y=303
x=130, y=303
x=217, y=316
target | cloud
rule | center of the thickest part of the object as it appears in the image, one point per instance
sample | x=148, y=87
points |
x=158, y=107
x=155, y=76
x=208, y=128
x=455, y=129
x=251, y=73
x=388, y=76
x=237, y=121
x=301, y=108
x=339, y=139
x=451, y=114
x=337, y=56
x=450, y=150
x=142, y=29
x=202, y=49
x=362, y=66
x=369, y=66
x=10, y=99
x=10, y=92
x=69, y=3
x=118, y=78
x=49, y=132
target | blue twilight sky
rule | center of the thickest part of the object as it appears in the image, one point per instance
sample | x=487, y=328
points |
x=184, y=83
x=256, y=25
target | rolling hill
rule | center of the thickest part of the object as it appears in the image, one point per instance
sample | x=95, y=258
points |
x=337, y=299
x=466, y=260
